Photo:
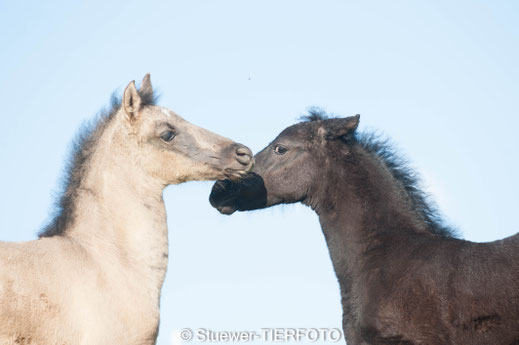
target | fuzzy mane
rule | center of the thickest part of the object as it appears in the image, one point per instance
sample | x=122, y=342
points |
x=424, y=207
x=315, y=114
x=83, y=147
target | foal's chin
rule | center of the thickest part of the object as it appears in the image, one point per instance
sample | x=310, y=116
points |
x=227, y=210
x=222, y=201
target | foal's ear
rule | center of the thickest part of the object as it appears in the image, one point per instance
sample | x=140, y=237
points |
x=146, y=88
x=131, y=101
x=337, y=128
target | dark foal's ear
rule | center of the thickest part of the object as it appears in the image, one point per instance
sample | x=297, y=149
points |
x=336, y=128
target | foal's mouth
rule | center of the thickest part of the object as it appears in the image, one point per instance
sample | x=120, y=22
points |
x=235, y=174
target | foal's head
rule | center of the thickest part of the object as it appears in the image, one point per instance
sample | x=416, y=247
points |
x=147, y=145
x=170, y=148
x=288, y=169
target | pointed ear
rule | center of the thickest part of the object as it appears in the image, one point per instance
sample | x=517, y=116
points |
x=340, y=127
x=146, y=88
x=131, y=101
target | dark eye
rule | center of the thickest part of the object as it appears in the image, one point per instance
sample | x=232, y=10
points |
x=168, y=136
x=280, y=150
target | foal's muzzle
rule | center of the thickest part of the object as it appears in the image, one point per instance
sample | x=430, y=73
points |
x=241, y=161
x=244, y=155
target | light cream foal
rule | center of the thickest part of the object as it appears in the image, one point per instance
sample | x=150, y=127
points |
x=95, y=274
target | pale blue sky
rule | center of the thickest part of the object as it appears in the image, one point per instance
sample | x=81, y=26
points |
x=440, y=78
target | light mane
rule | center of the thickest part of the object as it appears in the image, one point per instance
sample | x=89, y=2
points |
x=83, y=147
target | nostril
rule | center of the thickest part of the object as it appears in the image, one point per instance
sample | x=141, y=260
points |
x=244, y=154
x=243, y=151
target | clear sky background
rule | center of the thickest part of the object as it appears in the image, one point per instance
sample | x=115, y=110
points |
x=440, y=78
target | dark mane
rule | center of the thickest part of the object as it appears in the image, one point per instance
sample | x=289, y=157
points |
x=315, y=114
x=83, y=146
x=381, y=148
x=424, y=207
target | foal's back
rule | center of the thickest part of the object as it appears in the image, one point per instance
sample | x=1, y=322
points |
x=488, y=291
x=450, y=291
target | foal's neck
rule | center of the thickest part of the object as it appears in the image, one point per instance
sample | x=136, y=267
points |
x=120, y=215
x=366, y=211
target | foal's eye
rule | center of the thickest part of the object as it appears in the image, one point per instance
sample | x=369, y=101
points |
x=168, y=136
x=280, y=150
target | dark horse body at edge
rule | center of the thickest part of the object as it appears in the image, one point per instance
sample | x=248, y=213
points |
x=404, y=278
